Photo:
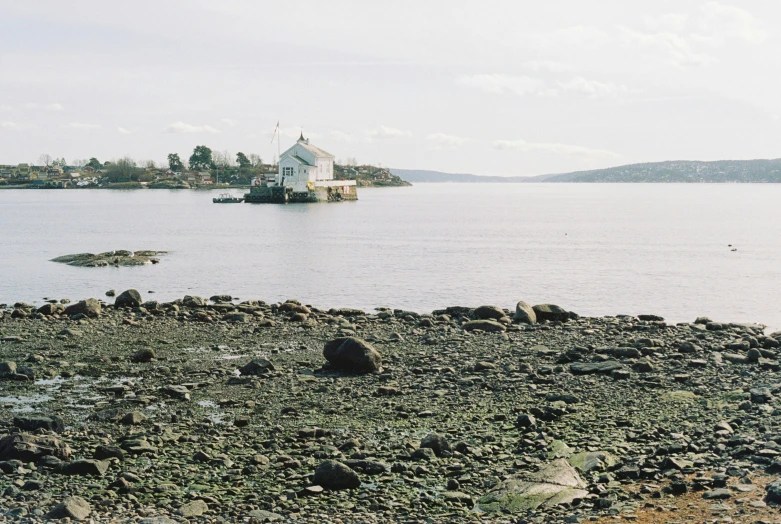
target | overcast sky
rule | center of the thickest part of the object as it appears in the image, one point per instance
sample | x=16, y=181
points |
x=485, y=87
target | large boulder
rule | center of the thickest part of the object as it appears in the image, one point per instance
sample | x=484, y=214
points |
x=30, y=448
x=436, y=443
x=524, y=313
x=75, y=508
x=257, y=366
x=484, y=325
x=90, y=307
x=34, y=423
x=488, y=313
x=555, y=484
x=352, y=354
x=551, y=312
x=331, y=474
x=51, y=309
x=773, y=493
x=192, y=301
x=130, y=298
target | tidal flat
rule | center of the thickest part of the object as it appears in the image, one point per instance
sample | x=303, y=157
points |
x=211, y=410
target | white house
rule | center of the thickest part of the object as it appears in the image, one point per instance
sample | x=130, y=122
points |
x=305, y=167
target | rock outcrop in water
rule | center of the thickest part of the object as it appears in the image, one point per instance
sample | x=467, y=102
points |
x=174, y=410
x=111, y=258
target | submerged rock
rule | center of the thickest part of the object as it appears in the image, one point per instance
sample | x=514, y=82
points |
x=110, y=258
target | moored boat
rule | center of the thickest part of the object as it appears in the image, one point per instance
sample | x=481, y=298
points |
x=227, y=198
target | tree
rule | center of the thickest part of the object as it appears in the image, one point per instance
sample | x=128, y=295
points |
x=174, y=162
x=94, y=163
x=255, y=160
x=243, y=161
x=149, y=164
x=59, y=162
x=122, y=170
x=201, y=158
x=45, y=159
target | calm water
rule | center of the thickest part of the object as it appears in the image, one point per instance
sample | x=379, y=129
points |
x=595, y=249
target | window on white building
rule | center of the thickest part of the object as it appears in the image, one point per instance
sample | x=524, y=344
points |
x=287, y=171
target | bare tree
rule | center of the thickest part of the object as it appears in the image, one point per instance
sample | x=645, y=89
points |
x=149, y=164
x=45, y=159
x=255, y=160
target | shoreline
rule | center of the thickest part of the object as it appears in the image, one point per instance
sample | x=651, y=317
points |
x=200, y=408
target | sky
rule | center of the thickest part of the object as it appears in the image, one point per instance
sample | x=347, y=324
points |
x=484, y=87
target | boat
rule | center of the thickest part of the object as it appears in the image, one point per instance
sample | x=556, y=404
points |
x=227, y=198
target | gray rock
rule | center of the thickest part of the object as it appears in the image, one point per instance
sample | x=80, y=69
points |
x=555, y=484
x=74, y=507
x=7, y=369
x=524, y=313
x=143, y=355
x=90, y=308
x=130, y=298
x=436, y=443
x=586, y=368
x=133, y=418
x=352, y=354
x=33, y=423
x=257, y=367
x=774, y=492
x=30, y=448
x=490, y=326
x=488, y=313
x=334, y=475
x=196, y=508
x=93, y=467
x=551, y=312
x=191, y=301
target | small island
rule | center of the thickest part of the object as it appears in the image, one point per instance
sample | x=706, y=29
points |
x=120, y=257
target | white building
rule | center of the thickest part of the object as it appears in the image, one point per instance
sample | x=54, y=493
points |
x=305, y=167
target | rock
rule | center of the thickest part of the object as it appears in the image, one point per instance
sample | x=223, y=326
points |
x=586, y=368
x=257, y=367
x=30, y=448
x=551, y=312
x=490, y=326
x=193, y=302
x=130, y=298
x=262, y=515
x=524, y=313
x=178, y=392
x=90, y=308
x=237, y=317
x=132, y=418
x=106, y=452
x=370, y=467
x=334, y=475
x=221, y=299
x=143, y=355
x=75, y=508
x=93, y=467
x=196, y=508
x=717, y=494
x=7, y=369
x=111, y=293
x=592, y=461
x=51, y=309
x=555, y=484
x=773, y=492
x=436, y=443
x=53, y=423
x=352, y=354
x=650, y=318
x=488, y=313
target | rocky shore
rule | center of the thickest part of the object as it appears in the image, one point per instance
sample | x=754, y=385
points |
x=225, y=411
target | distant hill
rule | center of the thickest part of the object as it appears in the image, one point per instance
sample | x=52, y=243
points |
x=680, y=171
x=684, y=171
x=421, y=175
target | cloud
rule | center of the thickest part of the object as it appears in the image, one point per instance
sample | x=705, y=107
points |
x=81, y=125
x=554, y=148
x=547, y=66
x=447, y=141
x=528, y=86
x=341, y=136
x=5, y=107
x=124, y=131
x=55, y=107
x=680, y=37
x=731, y=22
x=575, y=36
x=9, y=125
x=231, y=122
x=388, y=132
x=498, y=83
x=181, y=127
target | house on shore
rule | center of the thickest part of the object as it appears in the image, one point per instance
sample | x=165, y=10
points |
x=306, y=174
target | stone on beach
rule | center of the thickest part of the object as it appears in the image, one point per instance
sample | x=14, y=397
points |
x=352, y=354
